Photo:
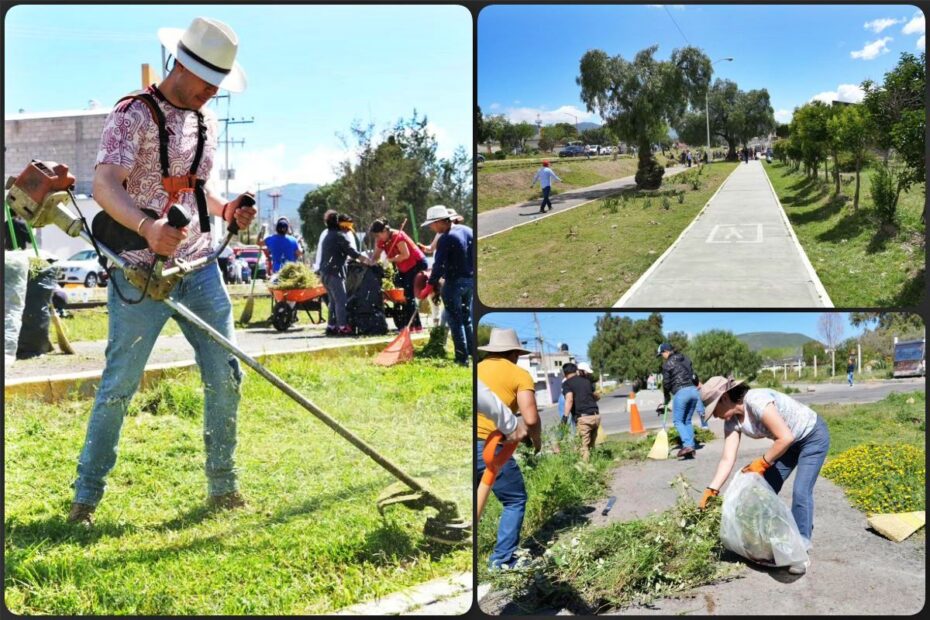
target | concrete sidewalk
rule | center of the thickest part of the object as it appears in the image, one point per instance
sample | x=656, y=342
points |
x=740, y=251
x=504, y=218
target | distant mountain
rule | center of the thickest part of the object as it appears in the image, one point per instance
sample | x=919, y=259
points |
x=586, y=126
x=292, y=195
x=773, y=340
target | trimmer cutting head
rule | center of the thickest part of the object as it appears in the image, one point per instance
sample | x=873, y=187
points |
x=446, y=527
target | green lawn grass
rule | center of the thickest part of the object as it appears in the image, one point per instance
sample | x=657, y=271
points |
x=860, y=264
x=589, y=256
x=899, y=418
x=311, y=540
x=506, y=185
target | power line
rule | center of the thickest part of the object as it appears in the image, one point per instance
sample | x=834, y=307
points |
x=676, y=24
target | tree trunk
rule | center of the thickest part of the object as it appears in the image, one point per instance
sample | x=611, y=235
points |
x=856, y=197
x=648, y=171
x=836, y=172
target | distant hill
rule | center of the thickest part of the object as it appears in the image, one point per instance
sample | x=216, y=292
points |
x=773, y=340
x=292, y=195
x=586, y=126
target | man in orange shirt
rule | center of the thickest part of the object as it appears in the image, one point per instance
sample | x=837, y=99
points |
x=516, y=388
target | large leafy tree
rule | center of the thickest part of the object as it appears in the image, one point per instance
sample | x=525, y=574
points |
x=851, y=129
x=754, y=115
x=719, y=353
x=626, y=348
x=736, y=117
x=639, y=99
x=809, y=132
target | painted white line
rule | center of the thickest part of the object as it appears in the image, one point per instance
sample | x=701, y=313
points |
x=632, y=290
x=566, y=209
x=735, y=232
x=818, y=285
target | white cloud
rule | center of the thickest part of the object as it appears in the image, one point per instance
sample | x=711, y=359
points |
x=873, y=49
x=921, y=42
x=562, y=114
x=877, y=25
x=445, y=145
x=916, y=25
x=783, y=116
x=495, y=106
x=279, y=165
x=851, y=93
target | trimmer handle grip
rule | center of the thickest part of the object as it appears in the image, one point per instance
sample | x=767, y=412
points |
x=178, y=217
x=493, y=462
x=245, y=201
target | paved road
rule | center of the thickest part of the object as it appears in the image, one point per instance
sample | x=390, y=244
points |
x=740, y=251
x=504, y=218
x=615, y=419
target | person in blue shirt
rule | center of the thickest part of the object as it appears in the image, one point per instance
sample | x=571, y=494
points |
x=544, y=176
x=282, y=246
x=454, y=264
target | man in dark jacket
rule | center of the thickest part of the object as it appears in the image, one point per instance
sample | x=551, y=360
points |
x=678, y=382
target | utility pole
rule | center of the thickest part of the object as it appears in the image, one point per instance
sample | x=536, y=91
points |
x=274, y=195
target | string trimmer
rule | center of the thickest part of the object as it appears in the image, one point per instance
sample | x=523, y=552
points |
x=39, y=195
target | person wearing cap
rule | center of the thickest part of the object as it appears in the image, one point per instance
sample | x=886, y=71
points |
x=282, y=246
x=800, y=437
x=336, y=252
x=454, y=265
x=430, y=249
x=408, y=259
x=129, y=176
x=678, y=383
x=515, y=387
x=544, y=177
x=353, y=242
x=581, y=404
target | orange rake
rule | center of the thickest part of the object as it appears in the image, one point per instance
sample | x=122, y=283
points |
x=493, y=463
x=401, y=348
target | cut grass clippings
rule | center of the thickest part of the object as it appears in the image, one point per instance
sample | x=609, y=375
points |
x=590, y=256
x=311, y=540
x=502, y=186
x=859, y=263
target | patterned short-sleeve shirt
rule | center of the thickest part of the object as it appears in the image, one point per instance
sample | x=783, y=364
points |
x=130, y=140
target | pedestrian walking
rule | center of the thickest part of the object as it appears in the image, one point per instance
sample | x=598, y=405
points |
x=516, y=388
x=688, y=156
x=544, y=177
x=801, y=441
x=678, y=384
x=850, y=369
x=581, y=404
x=129, y=172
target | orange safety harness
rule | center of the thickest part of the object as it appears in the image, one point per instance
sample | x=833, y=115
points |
x=175, y=185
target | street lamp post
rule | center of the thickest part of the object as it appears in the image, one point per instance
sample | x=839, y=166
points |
x=707, y=106
x=574, y=117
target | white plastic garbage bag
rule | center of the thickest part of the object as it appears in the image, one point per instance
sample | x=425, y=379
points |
x=757, y=525
x=15, y=278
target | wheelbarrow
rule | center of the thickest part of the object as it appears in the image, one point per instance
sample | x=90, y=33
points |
x=287, y=303
x=395, y=303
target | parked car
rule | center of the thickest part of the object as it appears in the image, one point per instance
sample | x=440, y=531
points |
x=82, y=268
x=607, y=150
x=572, y=151
x=479, y=158
x=251, y=253
x=592, y=149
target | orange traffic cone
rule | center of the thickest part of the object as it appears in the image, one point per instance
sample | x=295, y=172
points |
x=636, y=423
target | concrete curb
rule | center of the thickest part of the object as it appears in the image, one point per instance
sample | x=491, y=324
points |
x=429, y=598
x=655, y=265
x=818, y=285
x=84, y=384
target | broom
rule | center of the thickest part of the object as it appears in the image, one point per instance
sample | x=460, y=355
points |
x=659, y=450
x=246, y=315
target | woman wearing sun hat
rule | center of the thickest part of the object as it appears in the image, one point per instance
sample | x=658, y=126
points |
x=801, y=441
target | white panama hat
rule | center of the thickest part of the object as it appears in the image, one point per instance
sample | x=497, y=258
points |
x=208, y=49
x=435, y=214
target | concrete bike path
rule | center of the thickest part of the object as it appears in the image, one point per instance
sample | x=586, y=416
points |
x=740, y=251
x=505, y=218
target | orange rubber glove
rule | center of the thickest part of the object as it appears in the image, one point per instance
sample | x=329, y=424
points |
x=759, y=466
x=426, y=292
x=708, y=493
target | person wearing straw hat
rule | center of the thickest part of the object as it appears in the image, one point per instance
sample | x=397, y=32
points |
x=431, y=248
x=515, y=387
x=801, y=441
x=131, y=174
x=544, y=177
x=454, y=265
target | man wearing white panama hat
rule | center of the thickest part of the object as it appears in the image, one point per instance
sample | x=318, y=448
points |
x=157, y=149
x=515, y=387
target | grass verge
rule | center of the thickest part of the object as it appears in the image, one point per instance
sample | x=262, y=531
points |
x=589, y=256
x=311, y=540
x=859, y=263
x=502, y=186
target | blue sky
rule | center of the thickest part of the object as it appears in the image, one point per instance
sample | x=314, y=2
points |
x=311, y=71
x=528, y=55
x=577, y=328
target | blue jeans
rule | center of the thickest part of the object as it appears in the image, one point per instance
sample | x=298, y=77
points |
x=510, y=490
x=133, y=330
x=849, y=377
x=807, y=455
x=700, y=411
x=683, y=405
x=545, y=200
x=457, y=297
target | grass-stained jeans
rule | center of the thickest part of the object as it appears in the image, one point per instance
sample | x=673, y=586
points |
x=510, y=490
x=458, y=298
x=133, y=330
x=807, y=456
x=684, y=404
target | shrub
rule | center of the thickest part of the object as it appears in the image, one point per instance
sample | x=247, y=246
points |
x=681, y=198
x=881, y=478
x=499, y=155
x=666, y=203
x=611, y=205
x=884, y=193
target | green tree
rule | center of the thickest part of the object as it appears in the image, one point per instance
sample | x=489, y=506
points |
x=809, y=129
x=494, y=127
x=735, y=116
x=852, y=128
x=753, y=116
x=481, y=129
x=625, y=348
x=782, y=130
x=453, y=184
x=813, y=348
x=678, y=340
x=719, y=352
x=312, y=208
x=640, y=99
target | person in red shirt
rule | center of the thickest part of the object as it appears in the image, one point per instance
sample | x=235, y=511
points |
x=408, y=259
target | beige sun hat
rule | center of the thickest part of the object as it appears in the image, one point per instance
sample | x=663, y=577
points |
x=502, y=341
x=435, y=214
x=208, y=49
x=713, y=390
x=585, y=366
